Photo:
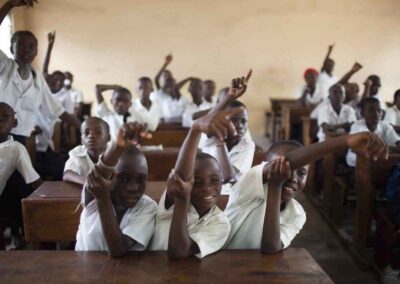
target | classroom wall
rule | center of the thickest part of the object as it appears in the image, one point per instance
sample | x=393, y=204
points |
x=118, y=41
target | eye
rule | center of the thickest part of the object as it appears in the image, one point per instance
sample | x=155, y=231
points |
x=123, y=178
x=302, y=172
x=141, y=179
x=215, y=180
x=198, y=182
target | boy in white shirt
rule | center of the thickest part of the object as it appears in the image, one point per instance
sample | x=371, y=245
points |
x=335, y=117
x=95, y=134
x=117, y=216
x=121, y=101
x=56, y=85
x=371, y=121
x=76, y=95
x=392, y=115
x=311, y=94
x=148, y=110
x=325, y=78
x=262, y=201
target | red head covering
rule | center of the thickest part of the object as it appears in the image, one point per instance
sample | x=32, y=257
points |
x=312, y=71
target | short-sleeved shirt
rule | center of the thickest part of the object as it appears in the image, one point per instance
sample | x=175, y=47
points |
x=326, y=81
x=384, y=130
x=44, y=140
x=76, y=96
x=315, y=99
x=208, y=232
x=329, y=116
x=64, y=98
x=170, y=107
x=150, y=117
x=137, y=223
x=14, y=156
x=26, y=102
x=192, y=108
x=79, y=161
x=392, y=116
x=246, y=212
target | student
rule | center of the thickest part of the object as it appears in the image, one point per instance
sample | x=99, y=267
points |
x=75, y=94
x=187, y=209
x=198, y=104
x=326, y=78
x=117, y=216
x=371, y=89
x=351, y=95
x=163, y=75
x=392, y=115
x=311, y=94
x=209, y=87
x=21, y=86
x=371, y=121
x=95, y=135
x=335, y=117
x=262, y=201
x=148, y=111
x=121, y=101
x=56, y=85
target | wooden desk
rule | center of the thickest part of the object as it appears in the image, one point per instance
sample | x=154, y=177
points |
x=292, y=115
x=167, y=138
x=276, y=108
x=229, y=266
x=161, y=163
x=171, y=126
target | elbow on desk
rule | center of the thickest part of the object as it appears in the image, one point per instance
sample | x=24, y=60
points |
x=176, y=254
x=271, y=249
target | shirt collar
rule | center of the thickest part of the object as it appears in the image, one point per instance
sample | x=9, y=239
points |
x=8, y=142
x=193, y=213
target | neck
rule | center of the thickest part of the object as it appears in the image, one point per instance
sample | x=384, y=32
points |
x=230, y=143
x=371, y=127
x=208, y=99
x=199, y=102
x=3, y=138
x=24, y=69
x=94, y=155
x=146, y=102
x=337, y=109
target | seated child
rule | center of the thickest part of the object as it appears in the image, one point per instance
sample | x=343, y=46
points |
x=209, y=91
x=371, y=89
x=56, y=85
x=121, y=101
x=95, y=135
x=117, y=216
x=335, y=118
x=75, y=94
x=262, y=201
x=187, y=209
x=371, y=121
x=392, y=115
x=198, y=104
x=148, y=111
x=311, y=94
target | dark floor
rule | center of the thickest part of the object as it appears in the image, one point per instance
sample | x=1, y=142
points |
x=325, y=248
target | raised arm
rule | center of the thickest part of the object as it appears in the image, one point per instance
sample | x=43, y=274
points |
x=51, y=37
x=356, y=67
x=168, y=60
x=100, y=88
x=330, y=48
x=70, y=120
x=180, y=84
x=8, y=5
x=367, y=89
x=229, y=173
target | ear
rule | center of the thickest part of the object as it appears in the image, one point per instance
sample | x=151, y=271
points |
x=130, y=103
x=11, y=49
x=108, y=138
x=15, y=123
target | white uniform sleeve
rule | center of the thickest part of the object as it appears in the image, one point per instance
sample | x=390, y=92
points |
x=187, y=120
x=50, y=106
x=352, y=115
x=290, y=227
x=73, y=164
x=102, y=110
x=69, y=105
x=243, y=160
x=390, y=116
x=390, y=135
x=322, y=116
x=24, y=165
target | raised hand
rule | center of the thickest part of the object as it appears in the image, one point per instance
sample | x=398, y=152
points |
x=368, y=144
x=131, y=134
x=330, y=47
x=99, y=186
x=27, y=3
x=51, y=37
x=168, y=59
x=239, y=86
x=356, y=67
x=178, y=188
x=278, y=172
x=37, y=131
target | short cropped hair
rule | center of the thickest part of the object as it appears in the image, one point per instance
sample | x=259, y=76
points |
x=367, y=101
x=17, y=34
x=100, y=121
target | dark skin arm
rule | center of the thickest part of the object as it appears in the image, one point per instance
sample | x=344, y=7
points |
x=118, y=244
x=182, y=83
x=51, y=39
x=168, y=60
x=70, y=120
x=100, y=88
x=356, y=67
x=367, y=89
x=333, y=127
x=330, y=48
x=229, y=173
x=8, y=5
x=73, y=177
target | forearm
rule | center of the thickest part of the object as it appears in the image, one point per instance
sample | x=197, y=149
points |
x=200, y=113
x=366, y=93
x=228, y=172
x=73, y=177
x=118, y=244
x=71, y=120
x=222, y=103
x=271, y=237
x=158, y=75
x=100, y=88
x=180, y=84
x=184, y=166
x=4, y=10
x=346, y=77
x=46, y=62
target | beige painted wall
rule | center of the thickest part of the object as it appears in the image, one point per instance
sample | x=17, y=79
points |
x=118, y=41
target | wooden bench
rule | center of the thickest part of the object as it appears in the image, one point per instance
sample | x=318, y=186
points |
x=167, y=138
x=171, y=126
x=227, y=266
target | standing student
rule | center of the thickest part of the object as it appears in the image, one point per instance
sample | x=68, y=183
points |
x=311, y=94
x=117, y=216
x=392, y=115
x=326, y=78
x=121, y=100
x=21, y=86
x=335, y=117
x=262, y=201
x=148, y=110
x=163, y=75
x=209, y=87
x=75, y=94
x=95, y=136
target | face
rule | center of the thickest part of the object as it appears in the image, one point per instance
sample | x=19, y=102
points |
x=94, y=136
x=207, y=185
x=24, y=49
x=169, y=86
x=196, y=90
x=240, y=121
x=375, y=87
x=372, y=113
x=56, y=82
x=352, y=91
x=397, y=101
x=311, y=79
x=7, y=119
x=132, y=174
x=165, y=76
x=298, y=178
x=329, y=65
x=209, y=89
x=144, y=88
x=121, y=102
x=336, y=96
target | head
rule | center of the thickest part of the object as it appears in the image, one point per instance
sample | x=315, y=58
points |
x=196, y=90
x=144, y=87
x=310, y=76
x=396, y=99
x=376, y=84
x=329, y=65
x=56, y=81
x=222, y=93
x=240, y=121
x=165, y=76
x=7, y=120
x=69, y=79
x=336, y=96
x=132, y=172
x=209, y=89
x=169, y=86
x=24, y=47
x=352, y=91
x=95, y=133
x=121, y=100
x=207, y=183
x=298, y=177
x=371, y=111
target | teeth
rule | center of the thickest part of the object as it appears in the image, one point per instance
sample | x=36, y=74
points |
x=208, y=197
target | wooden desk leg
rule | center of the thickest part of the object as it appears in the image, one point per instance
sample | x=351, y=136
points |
x=329, y=165
x=311, y=180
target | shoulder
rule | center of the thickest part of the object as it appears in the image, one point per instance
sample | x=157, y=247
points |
x=148, y=204
x=78, y=151
x=217, y=216
x=295, y=210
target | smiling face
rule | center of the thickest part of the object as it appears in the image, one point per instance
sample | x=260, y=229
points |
x=56, y=82
x=24, y=48
x=132, y=172
x=7, y=120
x=207, y=184
x=95, y=135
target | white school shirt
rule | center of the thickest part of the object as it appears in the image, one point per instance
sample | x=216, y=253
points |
x=315, y=99
x=246, y=212
x=392, y=116
x=150, y=117
x=169, y=107
x=76, y=95
x=26, y=102
x=329, y=116
x=13, y=155
x=64, y=98
x=44, y=140
x=384, y=130
x=324, y=81
x=208, y=232
x=114, y=120
x=191, y=108
x=137, y=223
x=79, y=161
